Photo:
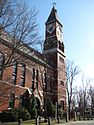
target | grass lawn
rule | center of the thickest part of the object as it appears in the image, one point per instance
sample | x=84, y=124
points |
x=31, y=122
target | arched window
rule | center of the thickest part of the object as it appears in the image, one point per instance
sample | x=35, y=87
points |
x=1, y=64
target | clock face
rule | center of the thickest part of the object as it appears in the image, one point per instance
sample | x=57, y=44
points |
x=50, y=28
x=59, y=33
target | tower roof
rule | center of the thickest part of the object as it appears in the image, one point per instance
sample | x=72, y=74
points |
x=53, y=17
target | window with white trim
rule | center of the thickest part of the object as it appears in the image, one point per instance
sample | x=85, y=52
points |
x=14, y=74
x=23, y=72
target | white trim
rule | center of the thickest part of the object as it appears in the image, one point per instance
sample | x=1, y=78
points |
x=62, y=99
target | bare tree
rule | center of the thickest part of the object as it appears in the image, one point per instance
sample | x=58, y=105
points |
x=19, y=28
x=91, y=95
x=72, y=72
x=83, y=97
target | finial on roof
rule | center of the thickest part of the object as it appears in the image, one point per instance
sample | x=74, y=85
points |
x=54, y=4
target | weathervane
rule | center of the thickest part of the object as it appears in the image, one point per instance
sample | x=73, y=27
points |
x=54, y=4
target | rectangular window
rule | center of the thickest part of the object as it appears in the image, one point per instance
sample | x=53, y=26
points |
x=45, y=81
x=14, y=79
x=33, y=74
x=14, y=67
x=37, y=75
x=14, y=74
x=23, y=72
x=1, y=64
x=45, y=78
x=33, y=79
x=32, y=85
x=23, y=69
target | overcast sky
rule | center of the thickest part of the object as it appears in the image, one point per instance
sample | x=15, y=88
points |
x=77, y=17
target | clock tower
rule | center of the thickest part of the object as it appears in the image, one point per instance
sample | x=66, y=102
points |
x=54, y=54
x=53, y=33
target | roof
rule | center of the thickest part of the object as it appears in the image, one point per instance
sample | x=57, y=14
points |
x=27, y=51
x=53, y=17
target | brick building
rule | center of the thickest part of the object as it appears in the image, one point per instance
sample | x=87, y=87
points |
x=43, y=74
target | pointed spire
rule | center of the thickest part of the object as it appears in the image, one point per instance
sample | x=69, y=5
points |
x=53, y=16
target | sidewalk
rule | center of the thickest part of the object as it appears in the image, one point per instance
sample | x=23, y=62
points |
x=87, y=122
x=65, y=123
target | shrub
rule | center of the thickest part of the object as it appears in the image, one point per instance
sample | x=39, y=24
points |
x=8, y=116
x=23, y=114
x=50, y=108
x=14, y=115
x=32, y=104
